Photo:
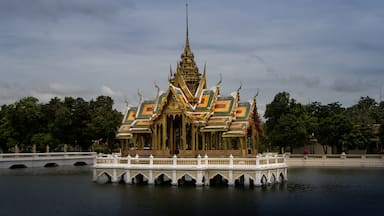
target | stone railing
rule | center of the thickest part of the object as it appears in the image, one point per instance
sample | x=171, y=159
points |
x=11, y=160
x=335, y=160
x=260, y=161
x=26, y=156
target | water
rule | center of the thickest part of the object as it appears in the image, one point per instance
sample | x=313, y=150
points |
x=70, y=191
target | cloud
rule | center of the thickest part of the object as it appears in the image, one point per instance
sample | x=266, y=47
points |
x=105, y=90
x=326, y=50
x=9, y=92
x=350, y=85
x=298, y=79
x=58, y=9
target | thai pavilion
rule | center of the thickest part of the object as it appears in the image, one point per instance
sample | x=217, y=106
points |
x=189, y=119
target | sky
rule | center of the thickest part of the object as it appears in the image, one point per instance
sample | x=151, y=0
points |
x=326, y=51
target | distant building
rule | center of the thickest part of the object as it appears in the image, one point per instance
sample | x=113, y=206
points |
x=190, y=119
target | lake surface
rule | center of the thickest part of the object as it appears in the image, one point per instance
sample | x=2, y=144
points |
x=309, y=191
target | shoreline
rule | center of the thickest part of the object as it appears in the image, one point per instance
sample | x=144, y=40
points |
x=332, y=160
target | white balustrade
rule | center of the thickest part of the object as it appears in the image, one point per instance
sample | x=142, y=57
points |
x=206, y=162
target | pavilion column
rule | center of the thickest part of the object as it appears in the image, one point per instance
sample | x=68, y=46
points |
x=134, y=139
x=164, y=130
x=153, y=138
x=203, y=141
x=253, y=140
x=171, y=134
x=184, y=133
x=159, y=137
x=242, y=144
x=197, y=137
x=209, y=141
x=193, y=136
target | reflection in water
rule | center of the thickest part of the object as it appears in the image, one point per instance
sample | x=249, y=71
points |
x=70, y=191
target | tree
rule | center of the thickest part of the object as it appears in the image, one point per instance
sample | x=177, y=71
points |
x=278, y=107
x=42, y=140
x=7, y=133
x=286, y=122
x=25, y=119
x=289, y=131
x=105, y=120
x=381, y=135
x=365, y=112
x=335, y=131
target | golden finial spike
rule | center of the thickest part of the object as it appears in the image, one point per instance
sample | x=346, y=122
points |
x=241, y=84
x=220, y=79
x=186, y=20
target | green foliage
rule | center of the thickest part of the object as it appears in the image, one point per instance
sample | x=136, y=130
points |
x=335, y=130
x=381, y=133
x=42, y=140
x=70, y=121
x=289, y=123
x=286, y=122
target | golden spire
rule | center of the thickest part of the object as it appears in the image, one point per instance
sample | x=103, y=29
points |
x=187, y=76
x=186, y=20
x=187, y=49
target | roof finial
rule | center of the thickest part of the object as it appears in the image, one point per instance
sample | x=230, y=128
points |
x=140, y=95
x=220, y=79
x=126, y=101
x=241, y=84
x=186, y=20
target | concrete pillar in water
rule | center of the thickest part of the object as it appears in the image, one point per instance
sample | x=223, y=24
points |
x=199, y=180
x=174, y=179
x=150, y=177
x=231, y=181
x=127, y=177
x=246, y=181
x=114, y=176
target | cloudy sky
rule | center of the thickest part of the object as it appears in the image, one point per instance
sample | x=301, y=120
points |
x=327, y=51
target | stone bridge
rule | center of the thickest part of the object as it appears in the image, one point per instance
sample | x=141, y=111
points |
x=22, y=160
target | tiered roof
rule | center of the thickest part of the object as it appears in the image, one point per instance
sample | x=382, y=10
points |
x=203, y=107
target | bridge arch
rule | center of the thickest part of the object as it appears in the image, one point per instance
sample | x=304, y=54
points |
x=245, y=180
x=218, y=180
x=163, y=179
x=263, y=180
x=51, y=164
x=272, y=179
x=187, y=179
x=139, y=179
x=80, y=163
x=18, y=166
x=104, y=177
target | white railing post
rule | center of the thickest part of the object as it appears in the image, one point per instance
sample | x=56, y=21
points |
x=115, y=159
x=206, y=160
x=198, y=160
x=231, y=160
x=257, y=160
x=151, y=160
x=174, y=160
x=129, y=160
